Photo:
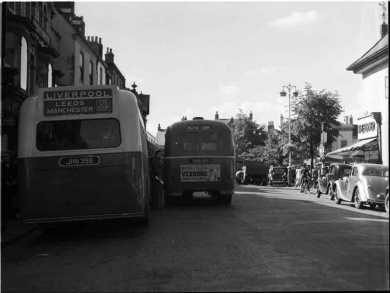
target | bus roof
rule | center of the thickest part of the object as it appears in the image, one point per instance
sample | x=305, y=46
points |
x=198, y=124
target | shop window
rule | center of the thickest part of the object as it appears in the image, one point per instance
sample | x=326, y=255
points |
x=81, y=66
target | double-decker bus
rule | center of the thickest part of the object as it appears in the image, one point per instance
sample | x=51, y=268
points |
x=199, y=156
x=82, y=155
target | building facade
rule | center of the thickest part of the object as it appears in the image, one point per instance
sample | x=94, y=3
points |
x=44, y=45
x=373, y=66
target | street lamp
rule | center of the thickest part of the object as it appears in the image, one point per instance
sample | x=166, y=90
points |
x=283, y=94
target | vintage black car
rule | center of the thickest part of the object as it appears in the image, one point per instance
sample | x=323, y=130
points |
x=276, y=176
x=329, y=175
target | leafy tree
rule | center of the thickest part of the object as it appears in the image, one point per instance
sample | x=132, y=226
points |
x=247, y=135
x=311, y=108
x=274, y=151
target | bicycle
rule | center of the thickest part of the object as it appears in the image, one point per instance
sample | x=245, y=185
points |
x=309, y=185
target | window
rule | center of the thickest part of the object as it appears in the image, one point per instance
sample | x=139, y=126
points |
x=78, y=134
x=81, y=66
x=90, y=72
x=100, y=76
x=200, y=141
x=49, y=76
x=343, y=143
x=23, y=64
x=355, y=171
x=381, y=172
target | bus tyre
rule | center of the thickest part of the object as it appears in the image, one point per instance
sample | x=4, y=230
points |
x=144, y=220
x=228, y=199
x=168, y=200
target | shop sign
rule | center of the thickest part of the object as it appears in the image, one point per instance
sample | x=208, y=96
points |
x=367, y=127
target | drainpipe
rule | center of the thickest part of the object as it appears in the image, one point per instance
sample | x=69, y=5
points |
x=378, y=118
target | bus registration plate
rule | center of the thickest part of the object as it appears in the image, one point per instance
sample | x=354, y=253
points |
x=200, y=173
x=79, y=161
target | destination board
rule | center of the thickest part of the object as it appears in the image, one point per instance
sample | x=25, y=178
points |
x=77, y=107
x=199, y=127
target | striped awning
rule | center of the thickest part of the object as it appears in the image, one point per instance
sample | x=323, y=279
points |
x=356, y=149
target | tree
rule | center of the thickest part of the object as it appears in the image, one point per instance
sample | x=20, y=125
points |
x=310, y=109
x=274, y=152
x=247, y=135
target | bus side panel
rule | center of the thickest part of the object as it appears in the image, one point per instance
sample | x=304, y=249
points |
x=114, y=188
x=174, y=187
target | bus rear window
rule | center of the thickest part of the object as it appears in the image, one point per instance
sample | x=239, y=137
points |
x=200, y=141
x=78, y=134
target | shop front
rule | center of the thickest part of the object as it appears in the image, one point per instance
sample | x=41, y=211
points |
x=369, y=147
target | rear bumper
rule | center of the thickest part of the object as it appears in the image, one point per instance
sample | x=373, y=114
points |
x=82, y=218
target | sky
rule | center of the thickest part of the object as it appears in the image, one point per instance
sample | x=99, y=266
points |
x=196, y=58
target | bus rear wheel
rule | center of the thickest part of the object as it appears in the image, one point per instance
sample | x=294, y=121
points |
x=225, y=198
x=168, y=200
x=144, y=220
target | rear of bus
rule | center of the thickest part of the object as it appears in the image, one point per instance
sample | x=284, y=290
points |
x=199, y=156
x=82, y=155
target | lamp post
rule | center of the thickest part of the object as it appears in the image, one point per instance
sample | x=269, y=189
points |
x=283, y=94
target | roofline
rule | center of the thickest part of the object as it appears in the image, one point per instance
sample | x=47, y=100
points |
x=358, y=64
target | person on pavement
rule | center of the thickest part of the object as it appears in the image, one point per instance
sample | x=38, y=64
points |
x=156, y=180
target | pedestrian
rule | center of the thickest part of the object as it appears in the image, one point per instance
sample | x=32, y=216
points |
x=305, y=171
x=299, y=174
x=290, y=176
x=9, y=201
x=156, y=180
x=294, y=174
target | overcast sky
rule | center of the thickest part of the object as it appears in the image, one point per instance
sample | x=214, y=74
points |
x=196, y=58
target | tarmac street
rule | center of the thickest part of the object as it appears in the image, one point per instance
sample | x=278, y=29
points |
x=268, y=239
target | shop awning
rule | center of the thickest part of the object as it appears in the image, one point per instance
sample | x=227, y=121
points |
x=356, y=149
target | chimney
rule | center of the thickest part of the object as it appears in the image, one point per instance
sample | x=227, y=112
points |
x=350, y=120
x=159, y=127
x=216, y=116
x=251, y=115
x=270, y=125
x=346, y=120
x=384, y=29
x=109, y=56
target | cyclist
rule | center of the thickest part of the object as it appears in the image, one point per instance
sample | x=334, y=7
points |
x=305, y=177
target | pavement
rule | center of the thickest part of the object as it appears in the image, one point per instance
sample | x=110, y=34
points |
x=14, y=230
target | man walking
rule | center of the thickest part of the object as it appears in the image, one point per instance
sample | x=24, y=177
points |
x=156, y=180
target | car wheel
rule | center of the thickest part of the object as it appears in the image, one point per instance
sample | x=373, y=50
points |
x=372, y=206
x=330, y=193
x=336, y=198
x=357, y=200
x=387, y=203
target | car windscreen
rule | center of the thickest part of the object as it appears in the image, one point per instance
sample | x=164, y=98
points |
x=78, y=134
x=345, y=171
x=381, y=172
